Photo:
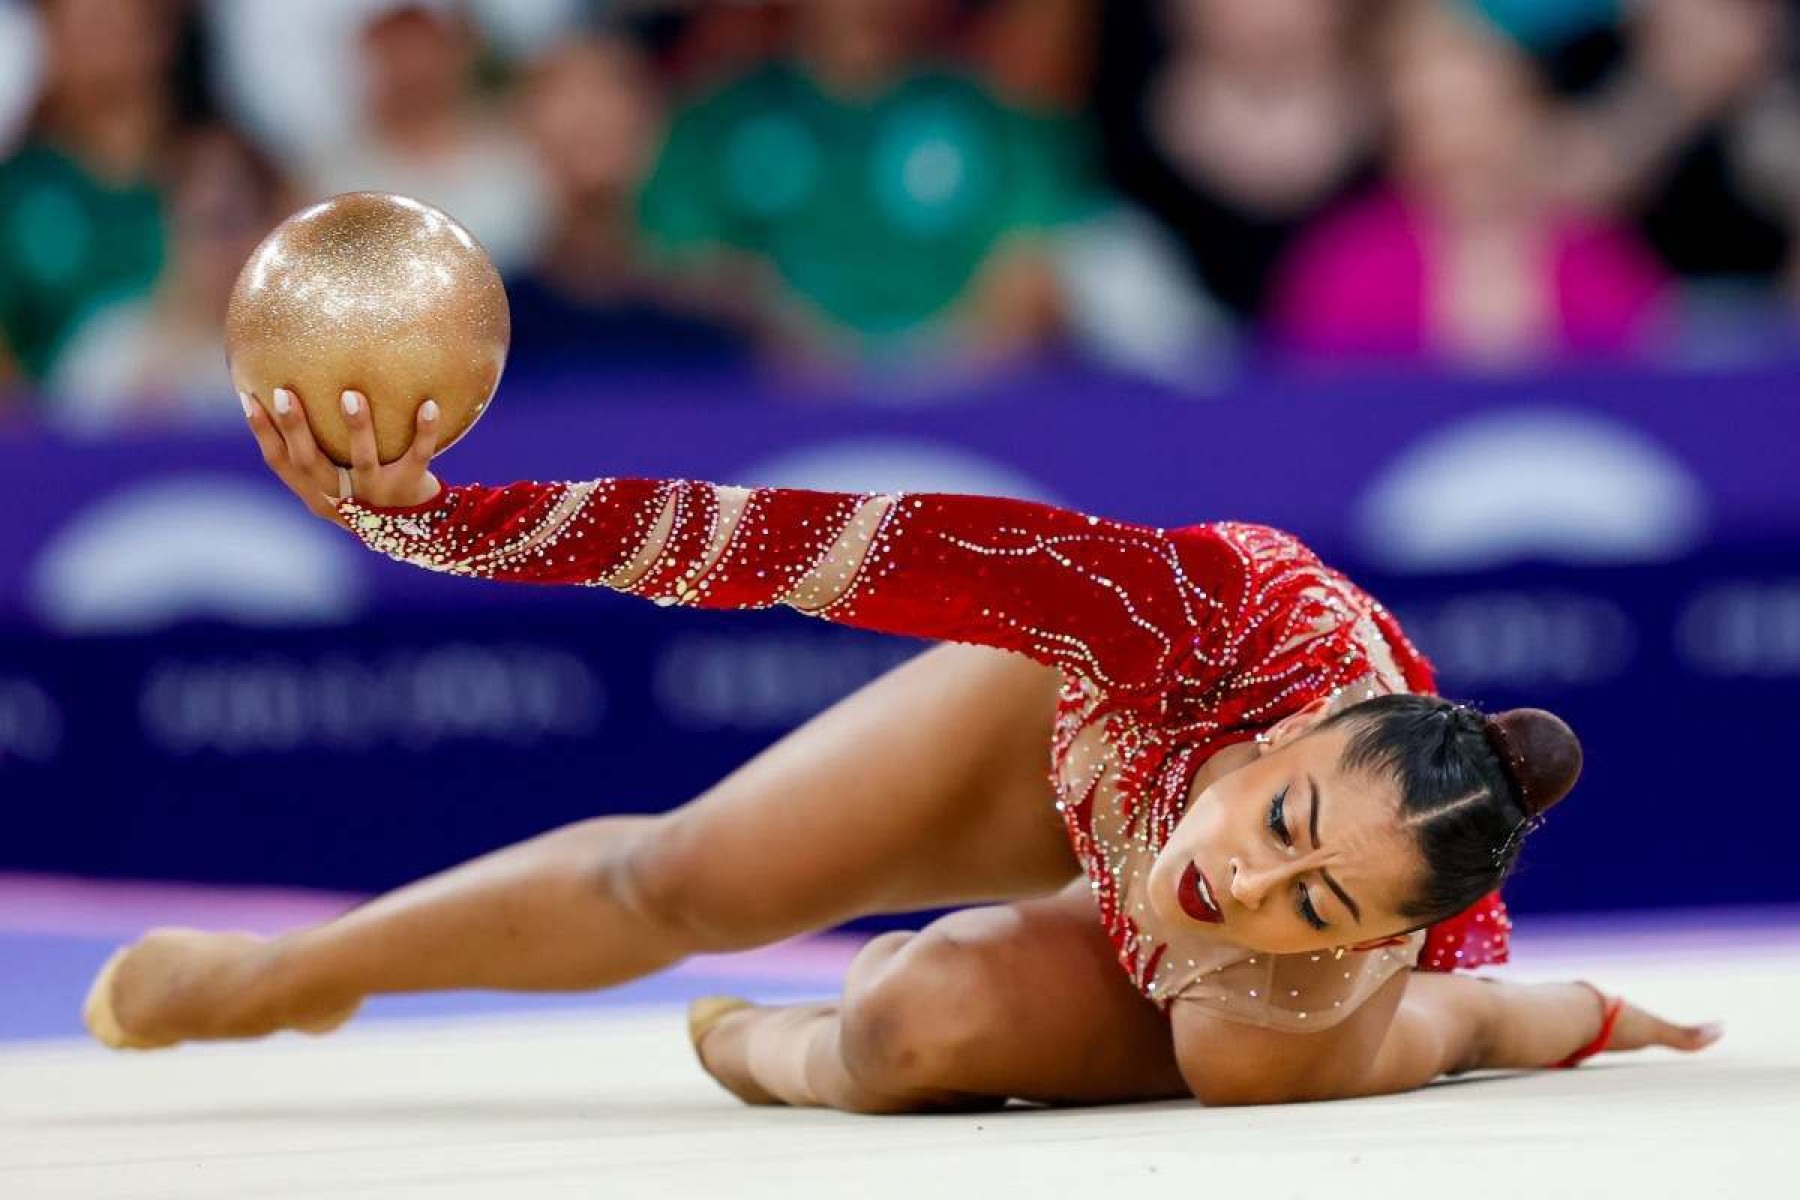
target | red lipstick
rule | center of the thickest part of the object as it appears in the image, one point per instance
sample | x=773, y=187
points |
x=1196, y=896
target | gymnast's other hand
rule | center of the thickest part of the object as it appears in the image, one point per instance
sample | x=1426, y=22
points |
x=1637, y=1029
x=290, y=450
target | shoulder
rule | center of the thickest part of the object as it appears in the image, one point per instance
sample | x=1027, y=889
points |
x=1254, y=555
x=1229, y=570
x=1260, y=544
x=1288, y=628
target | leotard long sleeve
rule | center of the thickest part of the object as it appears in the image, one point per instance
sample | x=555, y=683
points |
x=1109, y=601
x=1172, y=644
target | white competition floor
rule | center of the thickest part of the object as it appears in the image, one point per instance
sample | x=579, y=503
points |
x=605, y=1101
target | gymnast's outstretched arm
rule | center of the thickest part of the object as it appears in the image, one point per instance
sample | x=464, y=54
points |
x=1420, y=1026
x=1122, y=604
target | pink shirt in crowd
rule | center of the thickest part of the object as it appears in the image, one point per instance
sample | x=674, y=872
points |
x=1358, y=284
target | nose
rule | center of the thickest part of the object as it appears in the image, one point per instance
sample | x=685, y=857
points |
x=1253, y=880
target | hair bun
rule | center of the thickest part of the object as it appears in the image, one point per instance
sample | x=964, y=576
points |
x=1539, y=752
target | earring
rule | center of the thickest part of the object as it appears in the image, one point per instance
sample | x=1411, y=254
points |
x=1337, y=953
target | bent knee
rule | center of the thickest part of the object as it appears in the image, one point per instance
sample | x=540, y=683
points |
x=674, y=882
x=661, y=875
x=907, y=1023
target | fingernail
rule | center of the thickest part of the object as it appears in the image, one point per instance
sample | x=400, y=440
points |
x=428, y=411
x=352, y=403
x=1711, y=1032
x=284, y=400
x=244, y=399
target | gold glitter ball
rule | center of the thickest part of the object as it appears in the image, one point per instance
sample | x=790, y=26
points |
x=375, y=293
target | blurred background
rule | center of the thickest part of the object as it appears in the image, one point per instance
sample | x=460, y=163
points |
x=1497, y=304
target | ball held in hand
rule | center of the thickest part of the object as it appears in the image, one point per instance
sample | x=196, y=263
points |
x=376, y=293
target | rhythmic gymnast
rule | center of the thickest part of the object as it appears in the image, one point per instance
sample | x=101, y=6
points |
x=1209, y=760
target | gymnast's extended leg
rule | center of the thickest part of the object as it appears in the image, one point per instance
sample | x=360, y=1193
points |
x=926, y=788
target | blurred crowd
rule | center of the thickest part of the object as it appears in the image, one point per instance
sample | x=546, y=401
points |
x=909, y=191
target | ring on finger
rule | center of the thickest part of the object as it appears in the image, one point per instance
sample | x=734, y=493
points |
x=346, y=484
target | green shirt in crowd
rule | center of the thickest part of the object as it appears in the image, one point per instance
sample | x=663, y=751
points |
x=68, y=244
x=878, y=211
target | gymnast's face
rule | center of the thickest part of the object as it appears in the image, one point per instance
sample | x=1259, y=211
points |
x=1286, y=851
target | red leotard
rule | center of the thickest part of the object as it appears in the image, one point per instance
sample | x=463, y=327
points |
x=1172, y=643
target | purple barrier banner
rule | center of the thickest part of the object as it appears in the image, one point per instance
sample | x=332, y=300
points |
x=198, y=680
x=1413, y=475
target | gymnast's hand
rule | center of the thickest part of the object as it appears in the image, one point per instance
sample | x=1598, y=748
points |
x=1637, y=1029
x=290, y=450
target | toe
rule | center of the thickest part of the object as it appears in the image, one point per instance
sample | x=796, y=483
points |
x=98, y=1014
x=707, y=1012
x=330, y=1022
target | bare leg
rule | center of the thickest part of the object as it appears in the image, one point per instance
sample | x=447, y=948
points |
x=928, y=787
x=1024, y=1001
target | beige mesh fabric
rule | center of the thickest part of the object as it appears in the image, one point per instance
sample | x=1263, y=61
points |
x=1297, y=993
x=823, y=581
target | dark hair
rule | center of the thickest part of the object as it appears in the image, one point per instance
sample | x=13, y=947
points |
x=1471, y=786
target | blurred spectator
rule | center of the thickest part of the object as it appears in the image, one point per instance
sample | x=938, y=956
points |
x=424, y=134
x=1039, y=54
x=160, y=360
x=268, y=60
x=21, y=66
x=79, y=218
x=1128, y=300
x=1235, y=122
x=527, y=28
x=898, y=204
x=594, y=111
x=269, y=57
x=1696, y=130
x=707, y=44
x=1465, y=255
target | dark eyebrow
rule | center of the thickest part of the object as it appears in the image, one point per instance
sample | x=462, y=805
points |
x=1312, y=825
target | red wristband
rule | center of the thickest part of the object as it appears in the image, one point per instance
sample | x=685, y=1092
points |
x=1609, y=1010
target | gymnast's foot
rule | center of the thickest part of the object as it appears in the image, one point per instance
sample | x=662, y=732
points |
x=182, y=985
x=719, y=1027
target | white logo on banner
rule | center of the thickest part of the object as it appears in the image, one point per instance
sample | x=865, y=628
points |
x=194, y=546
x=881, y=464
x=1546, y=484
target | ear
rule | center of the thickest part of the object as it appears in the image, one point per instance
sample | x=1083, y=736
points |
x=1296, y=724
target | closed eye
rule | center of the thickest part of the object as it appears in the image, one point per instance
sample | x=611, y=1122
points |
x=1277, y=823
x=1308, y=913
x=1277, y=820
